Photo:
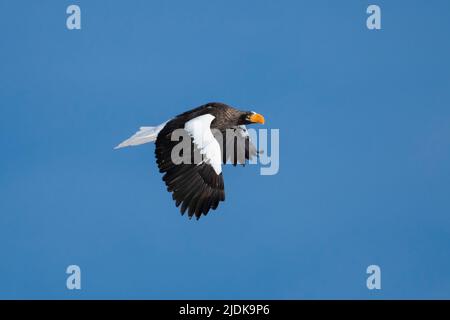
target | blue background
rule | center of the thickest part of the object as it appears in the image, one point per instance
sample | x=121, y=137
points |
x=364, y=119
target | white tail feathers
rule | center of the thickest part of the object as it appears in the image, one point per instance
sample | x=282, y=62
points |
x=144, y=135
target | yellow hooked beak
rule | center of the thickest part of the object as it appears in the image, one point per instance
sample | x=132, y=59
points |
x=257, y=118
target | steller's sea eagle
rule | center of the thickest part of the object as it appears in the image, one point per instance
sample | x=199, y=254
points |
x=198, y=185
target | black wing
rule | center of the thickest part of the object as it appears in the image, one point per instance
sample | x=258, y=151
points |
x=237, y=146
x=196, y=187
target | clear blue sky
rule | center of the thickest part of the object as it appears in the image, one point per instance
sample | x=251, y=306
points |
x=364, y=119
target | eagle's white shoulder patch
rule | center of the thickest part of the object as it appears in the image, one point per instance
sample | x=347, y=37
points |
x=199, y=129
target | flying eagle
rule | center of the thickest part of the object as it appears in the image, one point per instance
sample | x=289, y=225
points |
x=198, y=185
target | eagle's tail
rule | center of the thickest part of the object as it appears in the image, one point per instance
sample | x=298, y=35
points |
x=144, y=135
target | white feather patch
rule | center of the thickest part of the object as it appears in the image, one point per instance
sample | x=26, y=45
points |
x=199, y=129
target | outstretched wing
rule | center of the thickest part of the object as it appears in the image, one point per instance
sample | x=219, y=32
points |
x=197, y=185
x=237, y=146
